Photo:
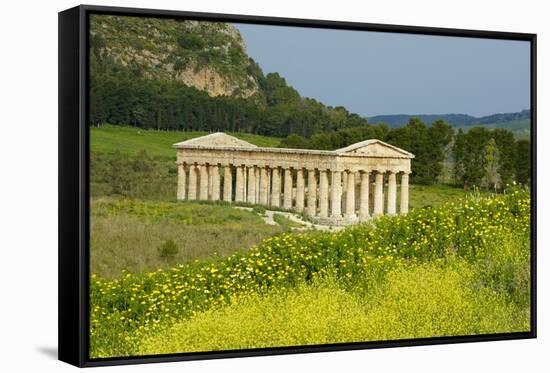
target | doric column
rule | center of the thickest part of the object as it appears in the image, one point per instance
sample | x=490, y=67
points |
x=364, y=197
x=203, y=182
x=239, y=184
x=287, y=193
x=323, y=193
x=311, y=193
x=181, y=181
x=404, y=208
x=343, y=192
x=251, y=195
x=276, y=187
x=379, y=194
x=350, y=196
x=336, y=194
x=193, y=171
x=210, y=182
x=392, y=193
x=215, y=178
x=257, y=178
x=227, y=183
x=300, y=190
x=264, y=186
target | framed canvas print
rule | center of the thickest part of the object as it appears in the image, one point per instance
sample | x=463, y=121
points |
x=234, y=186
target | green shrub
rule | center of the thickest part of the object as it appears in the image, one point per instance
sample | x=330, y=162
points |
x=168, y=249
x=190, y=41
x=259, y=210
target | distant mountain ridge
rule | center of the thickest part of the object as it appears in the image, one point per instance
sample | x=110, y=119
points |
x=456, y=120
x=519, y=122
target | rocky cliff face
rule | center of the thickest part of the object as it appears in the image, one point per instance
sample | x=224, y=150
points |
x=209, y=56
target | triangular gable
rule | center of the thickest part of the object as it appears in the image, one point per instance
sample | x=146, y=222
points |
x=215, y=140
x=375, y=148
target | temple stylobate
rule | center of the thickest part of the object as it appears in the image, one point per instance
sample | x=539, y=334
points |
x=337, y=187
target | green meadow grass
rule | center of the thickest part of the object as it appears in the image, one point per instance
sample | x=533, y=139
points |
x=132, y=140
x=422, y=196
x=125, y=234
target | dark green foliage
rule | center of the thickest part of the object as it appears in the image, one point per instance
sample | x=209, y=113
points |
x=190, y=41
x=427, y=143
x=475, y=152
x=294, y=142
x=523, y=162
x=469, y=156
x=168, y=249
x=491, y=158
x=507, y=152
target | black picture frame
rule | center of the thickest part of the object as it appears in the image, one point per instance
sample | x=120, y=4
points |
x=74, y=182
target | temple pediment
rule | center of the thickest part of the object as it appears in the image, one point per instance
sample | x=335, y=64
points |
x=375, y=148
x=215, y=140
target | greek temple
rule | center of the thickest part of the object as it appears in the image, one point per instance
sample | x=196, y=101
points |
x=336, y=187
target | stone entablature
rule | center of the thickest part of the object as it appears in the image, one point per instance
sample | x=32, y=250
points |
x=333, y=187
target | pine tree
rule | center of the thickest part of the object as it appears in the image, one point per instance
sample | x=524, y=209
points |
x=523, y=162
x=491, y=163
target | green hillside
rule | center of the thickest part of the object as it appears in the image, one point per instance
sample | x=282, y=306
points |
x=518, y=123
x=521, y=128
x=194, y=76
x=131, y=140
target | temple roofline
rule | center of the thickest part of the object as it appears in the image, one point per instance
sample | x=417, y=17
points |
x=204, y=143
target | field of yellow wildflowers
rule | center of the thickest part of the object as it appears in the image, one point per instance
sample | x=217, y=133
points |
x=461, y=268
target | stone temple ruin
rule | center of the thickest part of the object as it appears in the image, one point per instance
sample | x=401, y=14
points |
x=337, y=187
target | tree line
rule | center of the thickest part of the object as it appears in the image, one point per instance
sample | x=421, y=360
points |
x=480, y=157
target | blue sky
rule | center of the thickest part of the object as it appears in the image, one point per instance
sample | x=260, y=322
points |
x=374, y=73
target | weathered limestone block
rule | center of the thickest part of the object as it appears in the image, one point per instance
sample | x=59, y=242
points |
x=287, y=197
x=311, y=193
x=404, y=208
x=392, y=193
x=181, y=182
x=379, y=194
x=323, y=194
x=239, y=184
x=336, y=195
x=364, y=198
x=276, y=187
x=300, y=190
x=350, y=197
x=227, y=184
x=264, y=186
x=215, y=178
x=193, y=178
x=251, y=195
x=203, y=182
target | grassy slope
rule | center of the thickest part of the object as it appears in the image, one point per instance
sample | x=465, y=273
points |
x=520, y=127
x=130, y=140
x=126, y=234
x=421, y=196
